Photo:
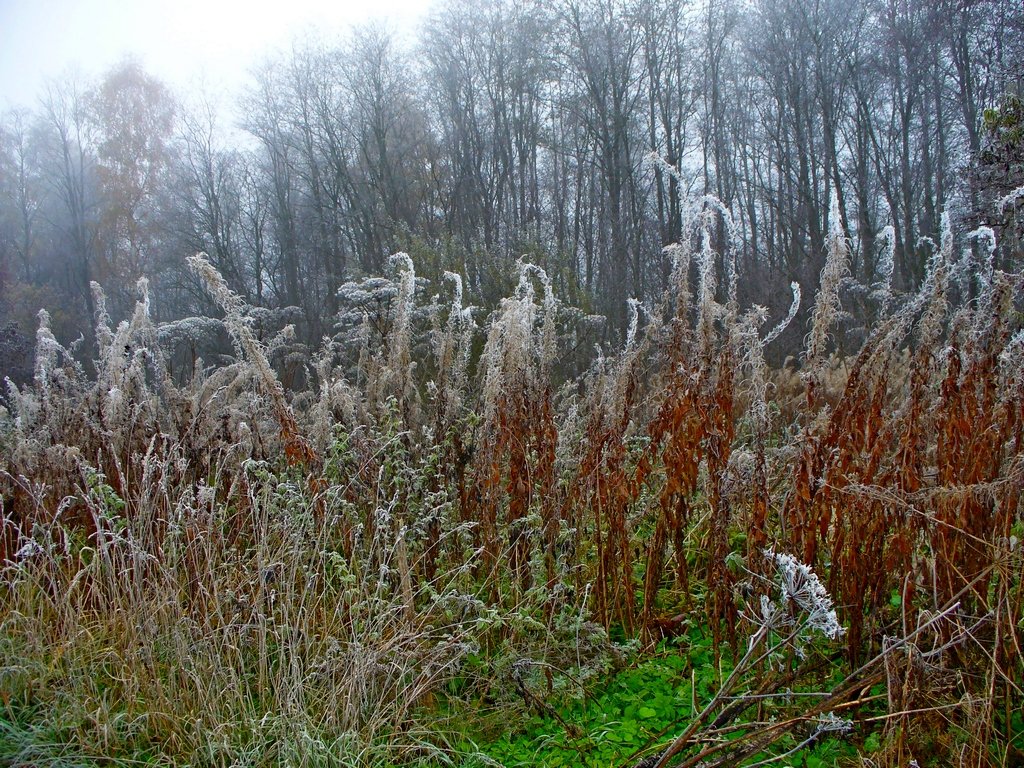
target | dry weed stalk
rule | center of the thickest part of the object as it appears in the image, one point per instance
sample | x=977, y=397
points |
x=517, y=437
x=296, y=447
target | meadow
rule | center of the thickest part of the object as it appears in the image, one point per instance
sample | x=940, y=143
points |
x=435, y=542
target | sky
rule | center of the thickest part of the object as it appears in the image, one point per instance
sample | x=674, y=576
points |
x=186, y=43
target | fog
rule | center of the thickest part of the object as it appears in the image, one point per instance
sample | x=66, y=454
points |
x=188, y=44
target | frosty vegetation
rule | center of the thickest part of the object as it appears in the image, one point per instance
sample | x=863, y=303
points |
x=349, y=556
x=575, y=340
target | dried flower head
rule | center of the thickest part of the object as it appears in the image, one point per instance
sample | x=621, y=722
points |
x=801, y=586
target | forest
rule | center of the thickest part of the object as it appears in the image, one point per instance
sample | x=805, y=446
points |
x=591, y=382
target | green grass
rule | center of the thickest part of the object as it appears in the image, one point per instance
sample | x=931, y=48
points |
x=627, y=715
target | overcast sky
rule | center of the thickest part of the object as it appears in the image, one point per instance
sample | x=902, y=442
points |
x=182, y=42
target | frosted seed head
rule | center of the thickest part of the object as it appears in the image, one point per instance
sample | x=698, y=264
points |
x=801, y=585
x=30, y=549
x=794, y=307
x=634, y=320
x=886, y=260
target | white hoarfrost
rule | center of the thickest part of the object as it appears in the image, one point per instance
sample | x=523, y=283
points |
x=515, y=351
x=886, y=262
x=793, y=308
x=801, y=585
x=827, y=305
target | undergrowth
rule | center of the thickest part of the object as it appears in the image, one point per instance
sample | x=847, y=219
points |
x=440, y=548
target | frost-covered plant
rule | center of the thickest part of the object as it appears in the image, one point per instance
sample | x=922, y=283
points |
x=679, y=283
x=288, y=633
x=794, y=307
x=517, y=434
x=381, y=319
x=933, y=296
x=750, y=347
x=192, y=331
x=752, y=375
x=1011, y=364
x=697, y=220
x=336, y=402
x=338, y=595
x=104, y=336
x=634, y=321
x=798, y=608
x=799, y=587
x=708, y=309
x=886, y=265
x=516, y=352
x=131, y=373
x=397, y=377
x=49, y=409
x=296, y=447
x=983, y=267
x=827, y=305
x=48, y=354
x=451, y=352
x=1010, y=199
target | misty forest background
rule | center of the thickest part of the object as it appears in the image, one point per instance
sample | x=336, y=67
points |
x=593, y=382
x=509, y=129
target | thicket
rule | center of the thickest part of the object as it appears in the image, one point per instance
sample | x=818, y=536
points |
x=433, y=529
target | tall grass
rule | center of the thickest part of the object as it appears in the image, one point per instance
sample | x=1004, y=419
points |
x=223, y=571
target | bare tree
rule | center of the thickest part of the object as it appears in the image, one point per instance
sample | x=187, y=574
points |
x=69, y=166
